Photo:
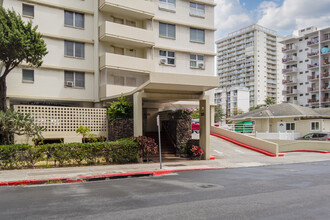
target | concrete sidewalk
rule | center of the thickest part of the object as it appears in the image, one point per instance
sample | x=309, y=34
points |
x=227, y=155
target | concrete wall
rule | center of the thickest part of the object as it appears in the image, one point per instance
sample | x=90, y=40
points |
x=252, y=141
x=291, y=145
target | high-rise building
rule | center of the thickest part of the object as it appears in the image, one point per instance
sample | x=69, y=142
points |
x=154, y=52
x=250, y=57
x=307, y=64
x=233, y=101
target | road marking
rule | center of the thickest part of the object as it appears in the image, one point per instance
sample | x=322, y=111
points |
x=240, y=151
x=221, y=153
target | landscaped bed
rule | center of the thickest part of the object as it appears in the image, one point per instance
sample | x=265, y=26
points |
x=71, y=154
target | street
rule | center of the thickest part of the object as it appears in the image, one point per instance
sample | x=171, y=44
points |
x=295, y=191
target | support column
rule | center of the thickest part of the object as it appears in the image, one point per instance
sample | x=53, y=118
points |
x=8, y=102
x=204, y=126
x=137, y=114
x=212, y=110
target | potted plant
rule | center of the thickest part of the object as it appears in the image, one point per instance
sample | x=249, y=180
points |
x=197, y=152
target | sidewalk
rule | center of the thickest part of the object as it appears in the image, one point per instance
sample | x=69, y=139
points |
x=129, y=169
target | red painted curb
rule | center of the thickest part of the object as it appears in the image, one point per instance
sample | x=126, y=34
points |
x=309, y=151
x=80, y=179
x=246, y=146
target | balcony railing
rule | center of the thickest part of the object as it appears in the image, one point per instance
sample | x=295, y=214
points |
x=289, y=59
x=290, y=70
x=312, y=42
x=313, y=89
x=312, y=66
x=313, y=100
x=289, y=48
x=325, y=75
x=312, y=54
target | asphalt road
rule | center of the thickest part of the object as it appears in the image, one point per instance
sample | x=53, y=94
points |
x=296, y=191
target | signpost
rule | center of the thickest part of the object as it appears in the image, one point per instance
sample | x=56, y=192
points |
x=160, y=143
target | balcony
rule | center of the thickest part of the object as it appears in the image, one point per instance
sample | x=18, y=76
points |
x=289, y=48
x=313, y=66
x=325, y=99
x=313, y=100
x=128, y=63
x=313, y=42
x=313, y=89
x=312, y=54
x=290, y=92
x=136, y=9
x=325, y=75
x=326, y=88
x=313, y=77
x=289, y=70
x=290, y=81
x=326, y=38
x=126, y=35
x=289, y=59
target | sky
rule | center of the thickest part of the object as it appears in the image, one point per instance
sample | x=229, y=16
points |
x=283, y=16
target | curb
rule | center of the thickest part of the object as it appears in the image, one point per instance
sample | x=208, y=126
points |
x=246, y=146
x=308, y=151
x=80, y=179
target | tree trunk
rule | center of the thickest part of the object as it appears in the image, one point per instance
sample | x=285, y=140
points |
x=3, y=94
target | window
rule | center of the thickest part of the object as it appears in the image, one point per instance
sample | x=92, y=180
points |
x=74, y=19
x=131, y=81
x=28, y=75
x=167, y=57
x=28, y=10
x=197, y=9
x=74, y=79
x=290, y=126
x=315, y=126
x=197, y=35
x=74, y=49
x=167, y=4
x=167, y=30
x=119, y=80
x=196, y=61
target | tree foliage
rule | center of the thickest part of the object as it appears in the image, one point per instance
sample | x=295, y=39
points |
x=19, y=41
x=120, y=109
x=270, y=101
x=218, y=113
x=12, y=122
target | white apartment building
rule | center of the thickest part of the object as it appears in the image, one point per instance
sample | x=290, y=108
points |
x=233, y=101
x=155, y=52
x=250, y=57
x=307, y=64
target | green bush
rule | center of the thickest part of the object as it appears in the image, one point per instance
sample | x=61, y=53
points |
x=20, y=156
x=120, y=109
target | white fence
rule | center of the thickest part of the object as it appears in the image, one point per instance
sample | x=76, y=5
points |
x=277, y=136
x=62, y=122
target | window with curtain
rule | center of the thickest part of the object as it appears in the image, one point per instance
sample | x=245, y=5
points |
x=74, y=49
x=74, y=79
x=166, y=30
x=74, y=19
x=28, y=75
x=197, y=9
x=197, y=35
x=167, y=4
x=28, y=10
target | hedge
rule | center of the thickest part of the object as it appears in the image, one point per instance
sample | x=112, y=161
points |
x=22, y=156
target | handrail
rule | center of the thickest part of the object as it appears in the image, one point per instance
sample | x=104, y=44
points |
x=168, y=135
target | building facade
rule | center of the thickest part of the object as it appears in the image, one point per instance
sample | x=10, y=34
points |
x=99, y=49
x=306, y=72
x=154, y=52
x=250, y=57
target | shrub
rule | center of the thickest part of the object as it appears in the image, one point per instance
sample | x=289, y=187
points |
x=196, y=151
x=147, y=146
x=120, y=109
x=19, y=156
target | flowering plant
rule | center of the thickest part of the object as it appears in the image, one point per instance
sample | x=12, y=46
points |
x=147, y=146
x=184, y=113
x=197, y=151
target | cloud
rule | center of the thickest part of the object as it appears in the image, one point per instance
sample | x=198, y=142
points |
x=230, y=15
x=294, y=14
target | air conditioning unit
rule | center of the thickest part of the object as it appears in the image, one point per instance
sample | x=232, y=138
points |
x=201, y=65
x=162, y=61
x=69, y=83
